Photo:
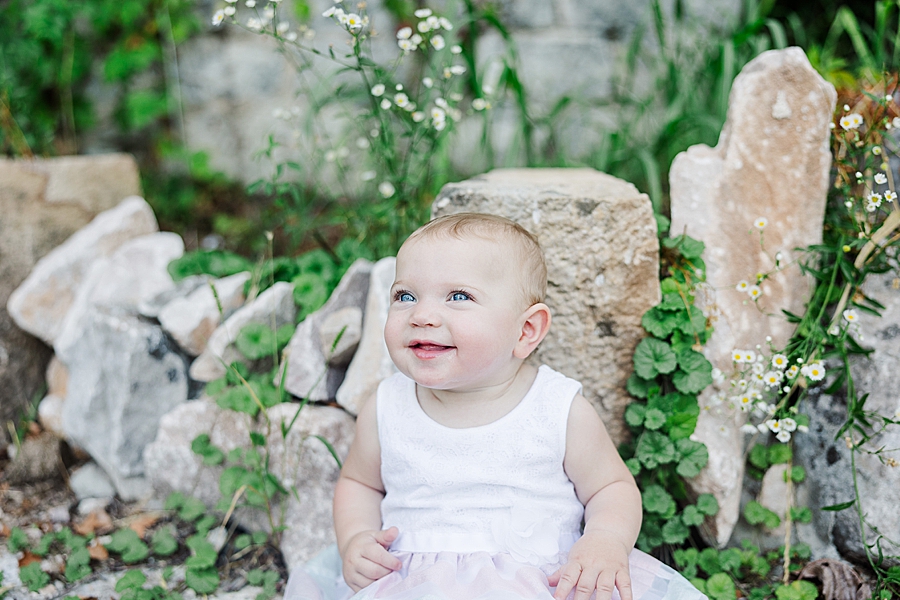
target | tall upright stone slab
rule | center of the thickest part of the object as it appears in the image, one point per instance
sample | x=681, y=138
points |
x=43, y=202
x=772, y=161
x=599, y=238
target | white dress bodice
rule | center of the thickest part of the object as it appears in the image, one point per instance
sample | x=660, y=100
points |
x=496, y=488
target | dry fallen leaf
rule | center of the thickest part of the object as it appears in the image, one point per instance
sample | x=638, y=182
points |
x=97, y=521
x=97, y=550
x=839, y=580
x=141, y=523
x=28, y=558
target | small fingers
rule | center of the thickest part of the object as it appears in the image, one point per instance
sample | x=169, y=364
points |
x=382, y=557
x=604, y=582
x=623, y=582
x=372, y=570
x=566, y=578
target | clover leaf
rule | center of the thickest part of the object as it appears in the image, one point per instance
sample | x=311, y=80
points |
x=694, y=457
x=691, y=516
x=655, y=449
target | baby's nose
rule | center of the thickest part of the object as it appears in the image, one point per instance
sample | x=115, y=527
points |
x=425, y=315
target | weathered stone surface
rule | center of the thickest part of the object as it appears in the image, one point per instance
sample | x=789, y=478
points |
x=50, y=414
x=57, y=377
x=151, y=306
x=828, y=462
x=90, y=481
x=371, y=363
x=43, y=202
x=308, y=373
x=772, y=161
x=135, y=271
x=41, y=303
x=192, y=319
x=340, y=334
x=599, y=239
x=275, y=306
x=300, y=461
x=37, y=458
x=124, y=375
x=774, y=494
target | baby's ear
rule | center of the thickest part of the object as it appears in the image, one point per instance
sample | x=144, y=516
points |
x=535, y=325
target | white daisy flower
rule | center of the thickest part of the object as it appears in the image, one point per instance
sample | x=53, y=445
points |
x=405, y=45
x=774, y=425
x=354, y=22
x=378, y=89
x=423, y=27
x=250, y=3
x=874, y=198
x=758, y=368
x=747, y=428
x=880, y=178
x=439, y=125
x=404, y=33
x=229, y=11
x=890, y=196
x=368, y=175
x=803, y=428
x=423, y=13
x=876, y=150
x=438, y=114
x=254, y=24
x=283, y=27
x=416, y=39
x=788, y=424
x=773, y=378
x=457, y=69
x=446, y=24
x=762, y=428
x=218, y=17
x=328, y=12
x=385, y=103
x=418, y=116
x=760, y=223
x=737, y=356
x=456, y=49
x=849, y=122
x=783, y=436
x=428, y=82
x=386, y=189
x=745, y=402
x=438, y=43
x=742, y=286
x=433, y=22
x=479, y=103
x=871, y=206
x=815, y=371
x=401, y=100
x=749, y=356
x=754, y=291
x=780, y=361
x=850, y=315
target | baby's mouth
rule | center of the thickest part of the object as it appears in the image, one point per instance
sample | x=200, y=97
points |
x=428, y=349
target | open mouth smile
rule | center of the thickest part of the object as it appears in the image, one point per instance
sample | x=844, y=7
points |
x=426, y=349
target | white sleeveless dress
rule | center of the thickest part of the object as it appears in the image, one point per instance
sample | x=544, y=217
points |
x=484, y=513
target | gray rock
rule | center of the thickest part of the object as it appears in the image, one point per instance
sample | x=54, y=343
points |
x=192, y=319
x=828, y=461
x=597, y=293
x=35, y=459
x=340, y=334
x=300, y=461
x=309, y=372
x=89, y=505
x=43, y=202
x=275, y=307
x=371, y=363
x=124, y=375
x=151, y=306
x=135, y=271
x=90, y=481
x=40, y=304
x=772, y=151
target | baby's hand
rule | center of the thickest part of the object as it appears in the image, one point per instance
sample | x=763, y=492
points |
x=596, y=562
x=366, y=558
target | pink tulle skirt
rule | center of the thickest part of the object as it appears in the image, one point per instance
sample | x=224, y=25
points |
x=473, y=576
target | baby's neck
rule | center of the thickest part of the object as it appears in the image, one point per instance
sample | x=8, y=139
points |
x=461, y=409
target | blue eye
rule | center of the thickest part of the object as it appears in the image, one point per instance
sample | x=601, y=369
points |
x=405, y=297
x=460, y=296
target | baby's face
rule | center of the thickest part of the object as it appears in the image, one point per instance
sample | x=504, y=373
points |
x=456, y=313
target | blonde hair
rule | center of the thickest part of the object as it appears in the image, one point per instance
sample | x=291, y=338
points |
x=533, y=278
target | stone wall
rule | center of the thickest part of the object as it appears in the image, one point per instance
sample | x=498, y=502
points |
x=233, y=82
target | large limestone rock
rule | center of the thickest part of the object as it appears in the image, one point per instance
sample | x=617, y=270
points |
x=135, y=272
x=828, y=461
x=308, y=373
x=192, y=319
x=599, y=238
x=41, y=303
x=124, y=376
x=43, y=202
x=274, y=307
x=371, y=363
x=300, y=461
x=772, y=161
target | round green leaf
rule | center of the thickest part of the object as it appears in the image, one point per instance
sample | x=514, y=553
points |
x=654, y=418
x=638, y=387
x=707, y=504
x=652, y=357
x=132, y=579
x=659, y=323
x=202, y=581
x=694, y=374
x=655, y=449
x=310, y=291
x=720, y=587
x=657, y=500
x=693, y=457
x=634, y=414
x=163, y=542
x=691, y=516
x=634, y=466
x=674, y=532
x=256, y=340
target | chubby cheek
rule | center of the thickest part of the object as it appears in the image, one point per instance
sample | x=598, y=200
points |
x=393, y=334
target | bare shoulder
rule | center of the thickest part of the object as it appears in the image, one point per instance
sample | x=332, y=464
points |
x=592, y=461
x=363, y=462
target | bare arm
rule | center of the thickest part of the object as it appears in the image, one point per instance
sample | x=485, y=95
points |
x=357, y=508
x=612, y=510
